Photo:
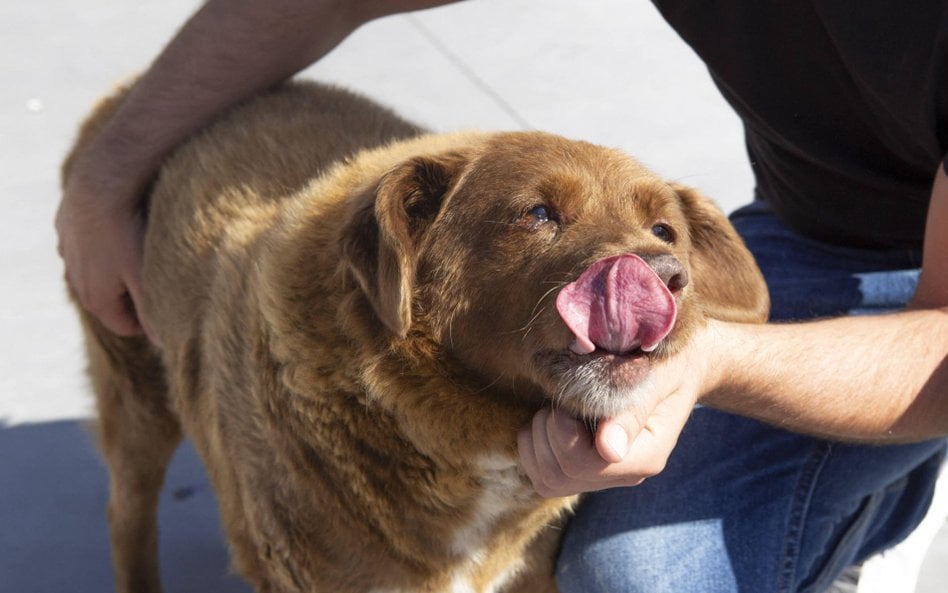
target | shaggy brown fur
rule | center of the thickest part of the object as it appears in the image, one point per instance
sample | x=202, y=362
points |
x=355, y=318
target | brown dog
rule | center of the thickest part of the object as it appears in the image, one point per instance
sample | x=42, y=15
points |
x=355, y=319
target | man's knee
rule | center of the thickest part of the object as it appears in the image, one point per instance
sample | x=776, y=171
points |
x=598, y=556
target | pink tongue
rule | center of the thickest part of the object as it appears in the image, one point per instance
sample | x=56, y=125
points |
x=618, y=304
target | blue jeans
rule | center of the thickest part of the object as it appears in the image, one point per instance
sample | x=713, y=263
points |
x=745, y=507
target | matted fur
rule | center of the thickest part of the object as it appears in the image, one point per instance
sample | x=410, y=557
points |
x=356, y=318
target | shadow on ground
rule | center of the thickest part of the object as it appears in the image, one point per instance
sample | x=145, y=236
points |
x=53, y=491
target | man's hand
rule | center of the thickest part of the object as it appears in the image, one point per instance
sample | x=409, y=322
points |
x=562, y=457
x=100, y=241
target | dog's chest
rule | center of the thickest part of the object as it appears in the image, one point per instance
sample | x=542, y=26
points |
x=504, y=496
x=482, y=559
x=503, y=491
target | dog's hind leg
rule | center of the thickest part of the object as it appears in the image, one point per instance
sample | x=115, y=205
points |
x=137, y=433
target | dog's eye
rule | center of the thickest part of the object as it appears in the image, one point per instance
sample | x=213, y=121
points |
x=664, y=232
x=539, y=213
x=537, y=216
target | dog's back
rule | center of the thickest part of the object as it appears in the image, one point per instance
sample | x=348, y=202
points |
x=222, y=189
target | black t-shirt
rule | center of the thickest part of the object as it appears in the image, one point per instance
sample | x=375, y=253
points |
x=844, y=104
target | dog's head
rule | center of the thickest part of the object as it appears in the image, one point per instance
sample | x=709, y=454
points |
x=549, y=265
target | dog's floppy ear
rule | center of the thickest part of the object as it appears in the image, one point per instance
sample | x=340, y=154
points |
x=726, y=278
x=384, y=229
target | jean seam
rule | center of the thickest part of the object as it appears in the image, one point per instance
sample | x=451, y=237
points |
x=839, y=559
x=799, y=508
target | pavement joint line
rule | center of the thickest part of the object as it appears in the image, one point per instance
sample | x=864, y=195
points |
x=468, y=72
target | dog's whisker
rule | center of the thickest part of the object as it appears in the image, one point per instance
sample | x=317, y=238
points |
x=591, y=424
x=560, y=394
x=538, y=310
x=526, y=327
x=540, y=300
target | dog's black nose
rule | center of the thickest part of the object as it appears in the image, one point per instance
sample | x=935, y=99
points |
x=669, y=269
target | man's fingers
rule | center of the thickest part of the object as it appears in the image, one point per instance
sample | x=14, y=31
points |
x=539, y=459
x=107, y=299
x=135, y=296
x=116, y=313
x=102, y=266
x=559, y=457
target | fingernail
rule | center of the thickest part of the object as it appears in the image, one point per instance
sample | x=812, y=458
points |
x=617, y=440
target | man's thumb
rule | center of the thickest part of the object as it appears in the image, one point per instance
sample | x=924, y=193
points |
x=612, y=441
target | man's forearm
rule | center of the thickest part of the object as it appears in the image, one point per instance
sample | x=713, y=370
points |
x=878, y=379
x=874, y=378
x=227, y=51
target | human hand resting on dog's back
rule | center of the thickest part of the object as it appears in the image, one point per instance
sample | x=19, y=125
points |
x=100, y=221
x=100, y=229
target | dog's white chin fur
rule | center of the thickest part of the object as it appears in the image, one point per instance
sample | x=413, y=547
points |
x=594, y=391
